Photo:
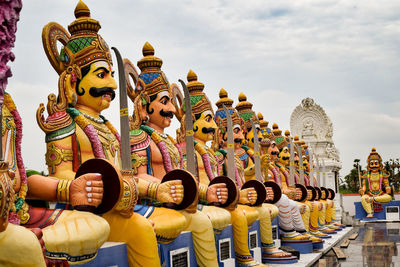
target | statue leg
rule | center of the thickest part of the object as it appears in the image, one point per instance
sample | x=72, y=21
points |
x=138, y=234
x=313, y=225
x=273, y=209
x=366, y=202
x=77, y=234
x=385, y=198
x=250, y=213
x=241, y=237
x=305, y=214
x=267, y=242
x=20, y=248
x=289, y=219
x=203, y=238
x=220, y=218
x=168, y=223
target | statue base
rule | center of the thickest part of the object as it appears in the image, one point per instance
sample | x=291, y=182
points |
x=255, y=241
x=318, y=245
x=303, y=247
x=109, y=254
x=179, y=252
x=390, y=211
x=225, y=247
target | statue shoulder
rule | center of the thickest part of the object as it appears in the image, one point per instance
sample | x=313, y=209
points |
x=59, y=126
x=220, y=155
x=139, y=140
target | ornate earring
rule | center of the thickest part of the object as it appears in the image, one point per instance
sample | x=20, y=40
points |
x=146, y=119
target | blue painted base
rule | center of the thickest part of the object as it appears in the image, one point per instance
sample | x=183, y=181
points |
x=361, y=214
x=222, y=240
x=182, y=245
x=287, y=260
x=255, y=241
x=303, y=247
x=318, y=245
x=110, y=254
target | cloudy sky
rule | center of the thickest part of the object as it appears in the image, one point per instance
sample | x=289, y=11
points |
x=343, y=54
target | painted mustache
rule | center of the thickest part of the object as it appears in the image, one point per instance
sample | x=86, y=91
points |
x=285, y=158
x=97, y=92
x=259, y=139
x=237, y=140
x=167, y=114
x=274, y=153
x=207, y=130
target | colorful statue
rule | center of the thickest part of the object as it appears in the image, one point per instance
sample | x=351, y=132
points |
x=153, y=112
x=13, y=190
x=75, y=133
x=266, y=212
x=375, y=189
x=210, y=165
x=290, y=220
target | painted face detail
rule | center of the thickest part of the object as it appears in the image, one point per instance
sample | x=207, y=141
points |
x=238, y=135
x=284, y=156
x=250, y=136
x=97, y=88
x=374, y=165
x=205, y=127
x=161, y=110
x=296, y=159
x=273, y=151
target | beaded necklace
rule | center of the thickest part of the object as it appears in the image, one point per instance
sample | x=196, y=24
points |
x=162, y=146
x=91, y=132
x=18, y=213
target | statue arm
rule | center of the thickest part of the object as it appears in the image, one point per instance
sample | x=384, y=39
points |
x=43, y=188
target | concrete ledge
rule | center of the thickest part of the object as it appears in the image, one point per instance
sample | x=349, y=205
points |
x=309, y=259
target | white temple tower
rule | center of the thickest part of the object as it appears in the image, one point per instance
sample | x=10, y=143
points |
x=310, y=122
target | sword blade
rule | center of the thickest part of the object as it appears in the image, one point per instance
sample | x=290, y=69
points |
x=190, y=154
x=318, y=171
x=312, y=181
x=291, y=162
x=301, y=167
x=230, y=146
x=123, y=111
x=257, y=161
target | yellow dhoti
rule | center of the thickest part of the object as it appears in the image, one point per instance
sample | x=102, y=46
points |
x=23, y=248
x=305, y=214
x=367, y=200
x=203, y=238
x=168, y=224
x=220, y=218
x=76, y=233
x=139, y=236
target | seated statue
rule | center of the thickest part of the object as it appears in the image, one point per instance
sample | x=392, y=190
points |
x=156, y=153
x=77, y=132
x=13, y=190
x=210, y=164
x=375, y=188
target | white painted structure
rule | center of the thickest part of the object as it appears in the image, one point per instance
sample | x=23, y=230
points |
x=310, y=122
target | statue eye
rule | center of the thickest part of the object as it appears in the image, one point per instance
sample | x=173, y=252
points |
x=100, y=75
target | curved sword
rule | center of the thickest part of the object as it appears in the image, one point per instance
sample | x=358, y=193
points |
x=230, y=146
x=123, y=111
x=291, y=163
x=257, y=162
x=301, y=167
x=189, y=135
x=312, y=181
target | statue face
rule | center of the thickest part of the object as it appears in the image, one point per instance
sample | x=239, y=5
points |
x=284, y=156
x=250, y=136
x=205, y=127
x=273, y=151
x=296, y=159
x=374, y=165
x=161, y=110
x=97, y=88
x=238, y=135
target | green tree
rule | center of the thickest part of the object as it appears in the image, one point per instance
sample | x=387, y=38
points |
x=352, y=181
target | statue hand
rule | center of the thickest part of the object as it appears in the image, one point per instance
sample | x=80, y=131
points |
x=270, y=193
x=217, y=193
x=361, y=191
x=170, y=192
x=86, y=190
x=298, y=193
x=388, y=190
x=248, y=195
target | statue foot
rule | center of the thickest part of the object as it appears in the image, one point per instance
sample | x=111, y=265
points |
x=296, y=237
x=320, y=235
x=370, y=215
x=274, y=252
x=328, y=231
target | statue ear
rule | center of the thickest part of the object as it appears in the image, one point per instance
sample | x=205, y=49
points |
x=70, y=92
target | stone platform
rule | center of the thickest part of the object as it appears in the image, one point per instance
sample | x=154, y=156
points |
x=383, y=215
x=310, y=258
